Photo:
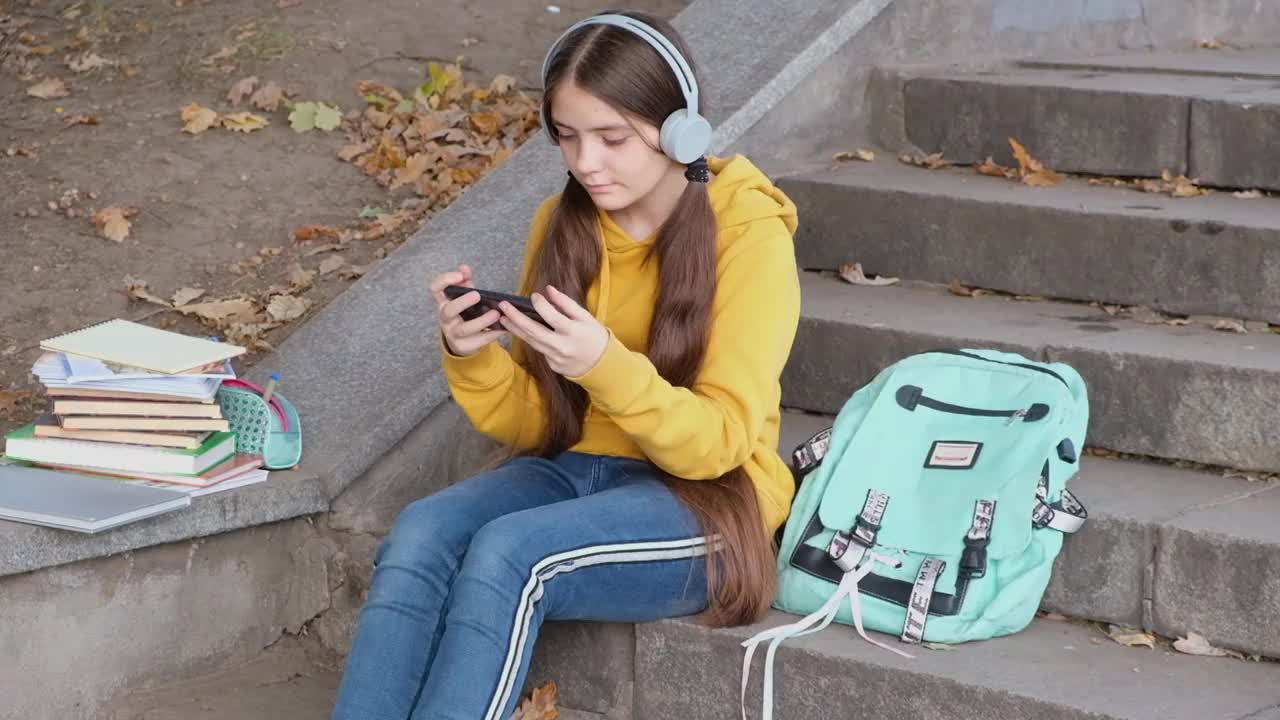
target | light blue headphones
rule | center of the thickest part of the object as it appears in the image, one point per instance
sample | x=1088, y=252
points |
x=685, y=135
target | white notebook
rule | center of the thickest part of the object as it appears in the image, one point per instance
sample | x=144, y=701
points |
x=134, y=345
x=83, y=503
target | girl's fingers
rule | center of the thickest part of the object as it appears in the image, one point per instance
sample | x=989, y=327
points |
x=479, y=325
x=549, y=312
x=567, y=305
x=527, y=325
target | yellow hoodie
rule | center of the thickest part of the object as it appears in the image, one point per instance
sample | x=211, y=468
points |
x=730, y=416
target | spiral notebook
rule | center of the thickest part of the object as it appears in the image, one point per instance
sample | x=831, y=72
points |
x=133, y=345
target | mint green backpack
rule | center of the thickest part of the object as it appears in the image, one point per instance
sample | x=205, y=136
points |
x=936, y=503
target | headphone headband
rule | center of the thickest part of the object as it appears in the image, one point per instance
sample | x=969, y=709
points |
x=679, y=67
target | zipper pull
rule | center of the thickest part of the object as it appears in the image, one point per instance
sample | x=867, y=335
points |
x=1015, y=416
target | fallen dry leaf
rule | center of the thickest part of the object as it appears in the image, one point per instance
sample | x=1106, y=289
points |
x=994, y=169
x=186, y=295
x=242, y=89
x=310, y=232
x=1130, y=637
x=197, y=119
x=351, y=272
x=269, y=97
x=540, y=705
x=853, y=274
x=137, y=290
x=933, y=161
x=88, y=61
x=113, y=222
x=331, y=263
x=957, y=288
x=1179, y=186
x=300, y=279
x=1247, y=194
x=1031, y=171
x=49, y=89
x=12, y=401
x=327, y=247
x=1210, y=44
x=1115, y=182
x=486, y=122
x=1230, y=325
x=1195, y=644
x=244, y=122
x=413, y=169
x=81, y=119
x=354, y=150
x=222, y=311
x=284, y=308
x=862, y=154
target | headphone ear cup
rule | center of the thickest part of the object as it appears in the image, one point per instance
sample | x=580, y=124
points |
x=685, y=137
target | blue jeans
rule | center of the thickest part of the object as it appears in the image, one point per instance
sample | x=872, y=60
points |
x=466, y=576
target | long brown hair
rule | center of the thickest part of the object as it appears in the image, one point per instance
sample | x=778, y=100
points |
x=628, y=74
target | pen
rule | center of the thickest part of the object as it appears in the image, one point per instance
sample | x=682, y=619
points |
x=271, y=386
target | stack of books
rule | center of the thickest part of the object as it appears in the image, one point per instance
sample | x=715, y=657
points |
x=135, y=404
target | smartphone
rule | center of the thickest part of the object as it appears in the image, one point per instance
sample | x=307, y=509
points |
x=489, y=300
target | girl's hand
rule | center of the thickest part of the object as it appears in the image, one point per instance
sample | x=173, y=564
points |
x=575, y=341
x=464, y=337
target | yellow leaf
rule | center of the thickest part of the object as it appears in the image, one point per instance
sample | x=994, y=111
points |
x=242, y=89
x=862, y=154
x=113, y=222
x=197, y=119
x=994, y=169
x=284, y=308
x=244, y=122
x=1131, y=638
x=540, y=705
x=1026, y=163
x=49, y=89
x=1041, y=178
x=486, y=122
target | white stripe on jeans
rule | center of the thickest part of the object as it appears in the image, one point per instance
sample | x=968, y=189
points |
x=568, y=561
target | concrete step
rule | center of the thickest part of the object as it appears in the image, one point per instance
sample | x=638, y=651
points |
x=1051, y=671
x=1111, y=116
x=292, y=679
x=1211, y=255
x=1185, y=392
x=1168, y=550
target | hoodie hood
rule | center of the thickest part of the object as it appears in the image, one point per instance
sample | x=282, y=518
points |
x=740, y=194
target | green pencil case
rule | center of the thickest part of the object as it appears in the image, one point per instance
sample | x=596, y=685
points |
x=272, y=430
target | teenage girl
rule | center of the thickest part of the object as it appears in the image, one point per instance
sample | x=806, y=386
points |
x=644, y=480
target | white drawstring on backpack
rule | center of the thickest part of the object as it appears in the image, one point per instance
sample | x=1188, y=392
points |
x=823, y=616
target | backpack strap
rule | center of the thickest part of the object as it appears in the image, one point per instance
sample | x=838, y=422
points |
x=921, y=595
x=808, y=455
x=1067, y=515
x=862, y=536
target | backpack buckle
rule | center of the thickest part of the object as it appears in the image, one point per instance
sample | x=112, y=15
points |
x=973, y=561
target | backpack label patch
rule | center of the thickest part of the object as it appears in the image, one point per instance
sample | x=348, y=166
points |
x=953, y=454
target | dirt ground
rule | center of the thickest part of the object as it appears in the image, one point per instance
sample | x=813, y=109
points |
x=215, y=211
